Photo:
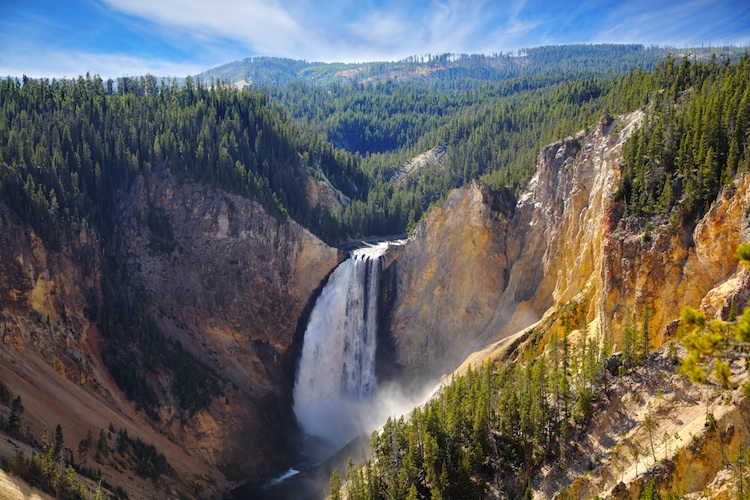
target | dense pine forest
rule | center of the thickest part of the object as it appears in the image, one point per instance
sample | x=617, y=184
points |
x=450, y=71
x=695, y=139
x=69, y=145
x=490, y=427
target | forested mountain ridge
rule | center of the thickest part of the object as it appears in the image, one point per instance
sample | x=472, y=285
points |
x=454, y=70
x=79, y=141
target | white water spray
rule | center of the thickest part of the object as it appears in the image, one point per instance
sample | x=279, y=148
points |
x=336, y=375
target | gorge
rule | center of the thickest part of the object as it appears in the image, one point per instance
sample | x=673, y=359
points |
x=207, y=317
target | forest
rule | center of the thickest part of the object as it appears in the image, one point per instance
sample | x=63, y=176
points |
x=70, y=145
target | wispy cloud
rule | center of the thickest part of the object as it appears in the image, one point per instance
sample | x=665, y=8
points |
x=686, y=23
x=264, y=26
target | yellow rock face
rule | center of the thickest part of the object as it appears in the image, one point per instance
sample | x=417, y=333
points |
x=675, y=270
x=470, y=277
x=449, y=280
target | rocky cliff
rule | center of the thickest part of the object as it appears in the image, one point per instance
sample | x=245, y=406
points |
x=218, y=274
x=446, y=281
x=521, y=260
x=569, y=245
x=232, y=284
x=495, y=272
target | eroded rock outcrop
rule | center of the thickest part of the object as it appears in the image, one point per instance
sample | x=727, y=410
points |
x=673, y=268
x=566, y=238
x=447, y=281
x=45, y=294
x=521, y=262
x=231, y=283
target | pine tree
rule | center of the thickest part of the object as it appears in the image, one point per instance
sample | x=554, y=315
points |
x=16, y=415
x=650, y=424
x=645, y=343
x=335, y=486
x=59, y=442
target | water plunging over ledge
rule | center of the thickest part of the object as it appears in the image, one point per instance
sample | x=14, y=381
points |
x=336, y=394
x=336, y=375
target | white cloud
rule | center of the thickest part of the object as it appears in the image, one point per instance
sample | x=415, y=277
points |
x=265, y=27
x=341, y=31
x=687, y=23
x=66, y=64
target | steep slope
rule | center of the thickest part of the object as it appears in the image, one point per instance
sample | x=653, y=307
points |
x=147, y=305
x=447, y=281
x=543, y=252
x=568, y=262
x=566, y=238
x=231, y=284
x=673, y=268
x=232, y=287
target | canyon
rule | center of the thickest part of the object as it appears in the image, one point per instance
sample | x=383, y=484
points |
x=236, y=287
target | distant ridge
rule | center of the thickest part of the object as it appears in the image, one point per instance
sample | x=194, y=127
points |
x=259, y=71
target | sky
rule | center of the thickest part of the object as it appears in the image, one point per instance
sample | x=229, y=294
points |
x=113, y=38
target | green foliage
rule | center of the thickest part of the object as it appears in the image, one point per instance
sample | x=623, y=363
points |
x=16, y=416
x=483, y=133
x=741, y=474
x=694, y=139
x=335, y=486
x=497, y=421
x=84, y=445
x=145, y=460
x=650, y=492
x=715, y=342
x=450, y=71
x=68, y=146
x=59, y=442
x=47, y=471
x=137, y=346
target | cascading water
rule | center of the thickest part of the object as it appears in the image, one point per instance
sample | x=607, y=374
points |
x=336, y=375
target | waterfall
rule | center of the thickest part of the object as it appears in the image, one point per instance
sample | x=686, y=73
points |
x=336, y=374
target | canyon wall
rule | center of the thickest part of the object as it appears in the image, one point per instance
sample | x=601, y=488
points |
x=232, y=284
x=490, y=273
x=218, y=274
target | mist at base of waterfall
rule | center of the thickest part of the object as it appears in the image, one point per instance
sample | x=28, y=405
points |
x=336, y=423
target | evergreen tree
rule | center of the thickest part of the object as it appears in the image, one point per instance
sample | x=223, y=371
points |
x=16, y=416
x=59, y=442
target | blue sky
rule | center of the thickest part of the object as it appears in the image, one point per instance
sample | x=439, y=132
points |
x=57, y=38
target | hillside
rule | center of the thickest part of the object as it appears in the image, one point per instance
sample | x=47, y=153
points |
x=536, y=413
x=446, y=69
x=182, y=385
